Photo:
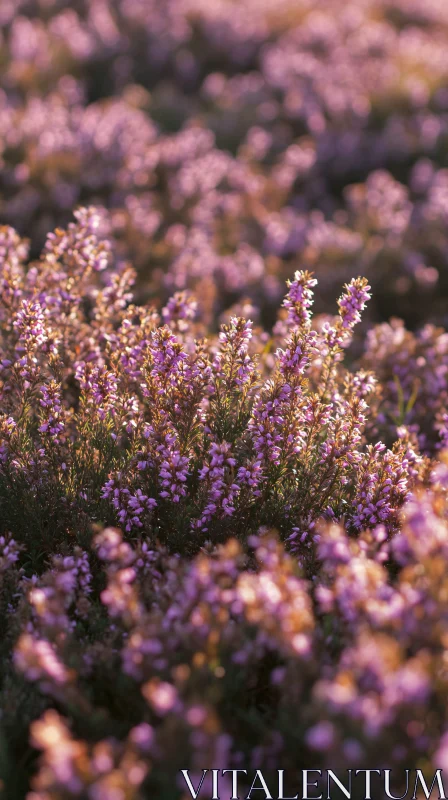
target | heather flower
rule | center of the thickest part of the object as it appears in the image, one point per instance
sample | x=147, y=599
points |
x=173, y=474
x=52, y=417
x=216, y=475
x=167, y=355
x=68, y=765
x=37, y=659
x=180, y=310
x=131, y=507
x=99, y=388
x=352, y=303
x=382, y=479
x=299, y=299
x=9, y=553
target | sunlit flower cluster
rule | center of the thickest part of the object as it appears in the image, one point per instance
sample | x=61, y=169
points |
x=188, y=513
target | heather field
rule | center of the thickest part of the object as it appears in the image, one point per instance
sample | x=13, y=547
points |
x=223, y=395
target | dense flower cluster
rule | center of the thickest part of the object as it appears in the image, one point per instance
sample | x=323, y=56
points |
x=413, y=372
x=157, y=430
x=149, y=469
x=223, y=452
x=232, y=145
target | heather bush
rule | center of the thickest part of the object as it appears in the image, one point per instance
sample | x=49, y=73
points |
x=120, y=415
x=149, y=469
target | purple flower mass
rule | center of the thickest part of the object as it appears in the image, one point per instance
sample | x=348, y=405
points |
x=223, y=393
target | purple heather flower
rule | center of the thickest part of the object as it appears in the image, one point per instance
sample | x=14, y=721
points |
x=299, y=299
